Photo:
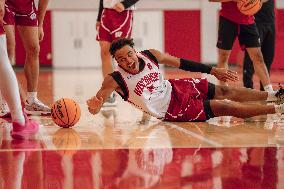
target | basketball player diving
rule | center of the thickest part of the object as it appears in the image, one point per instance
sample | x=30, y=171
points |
x=139, y=81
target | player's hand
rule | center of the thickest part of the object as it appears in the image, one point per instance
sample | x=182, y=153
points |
x=224, y=74
x=2, y=12
x=95, y=104
x=98, y=24
x=119, y=7
x=40, y=33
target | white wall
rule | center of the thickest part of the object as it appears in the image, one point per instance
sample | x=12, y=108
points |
x=74, y=42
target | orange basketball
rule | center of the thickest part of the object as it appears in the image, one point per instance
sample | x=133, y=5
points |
x=65, y=112
x=249, y=7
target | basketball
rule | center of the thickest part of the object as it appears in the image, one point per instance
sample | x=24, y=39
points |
x=66, y=141
x=65, y=112
x=249, y=7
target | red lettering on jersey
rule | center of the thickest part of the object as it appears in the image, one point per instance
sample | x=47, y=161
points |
x=149, y=66
x=145, y=82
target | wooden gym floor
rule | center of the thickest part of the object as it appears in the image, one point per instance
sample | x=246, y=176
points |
x=119, y=149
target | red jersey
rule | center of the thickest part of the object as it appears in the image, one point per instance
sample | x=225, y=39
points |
x=20, y=6
x=231, y=12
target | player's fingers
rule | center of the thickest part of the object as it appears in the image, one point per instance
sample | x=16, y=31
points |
x=232, y=76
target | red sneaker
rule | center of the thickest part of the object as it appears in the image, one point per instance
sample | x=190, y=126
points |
x=6, y=115
x=24, y=131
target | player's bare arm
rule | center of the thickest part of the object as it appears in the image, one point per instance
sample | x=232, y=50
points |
x=108, y=86
x=42, y=6
x=221, y=74
x=121, y=6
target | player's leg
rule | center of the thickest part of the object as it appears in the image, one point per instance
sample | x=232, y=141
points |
x=29, y=37
x=22, y=126
x=11, y=42
x=107, y=68
x=250, y=39
x=227, y=32
x=248, y=72
x=260, y=67
x=243, y=110
x=106, y=58
x=241, y=94
x=267, y=44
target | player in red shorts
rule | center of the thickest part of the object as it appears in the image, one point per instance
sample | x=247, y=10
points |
x=29, y=22
x=115, y=19
x=139, y=81
x=22, y=126
x=232, y=24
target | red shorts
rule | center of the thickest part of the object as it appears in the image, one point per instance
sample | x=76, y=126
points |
x=187, y=99
x=15, y=18
x=115, y=25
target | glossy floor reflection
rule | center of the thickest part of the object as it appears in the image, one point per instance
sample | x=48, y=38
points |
x=119, y=148
x=254, y=167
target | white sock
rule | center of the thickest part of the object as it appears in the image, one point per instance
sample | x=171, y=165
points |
x=31, y=97
x=268, y=88
x=279, y=108
x=271, y=96
x=8, y=84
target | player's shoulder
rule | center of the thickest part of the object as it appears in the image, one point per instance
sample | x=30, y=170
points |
x=152, y=54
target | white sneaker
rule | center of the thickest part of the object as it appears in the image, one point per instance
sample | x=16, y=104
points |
x=4, y=109
x=279, y=108
x=110, y=101
x=280, y=95
x=37, y=108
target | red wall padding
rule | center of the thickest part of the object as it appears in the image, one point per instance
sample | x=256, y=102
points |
x=279, y=53
x=182, y=34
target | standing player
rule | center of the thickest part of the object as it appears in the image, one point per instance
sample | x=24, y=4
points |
x=232, y=24
x=265, y=22
x=22, y=126
x=140, y=82
x=114, y=21
x=29, y=22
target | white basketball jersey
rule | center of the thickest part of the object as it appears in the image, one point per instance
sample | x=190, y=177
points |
x=147, y=90
x=109, y=4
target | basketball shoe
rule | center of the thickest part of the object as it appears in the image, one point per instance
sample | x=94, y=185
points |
x=280, y=95
x=110, y=101
x=4, y=109
x=36, y=108
x=29, y=129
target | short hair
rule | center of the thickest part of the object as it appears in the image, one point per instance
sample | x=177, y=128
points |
x=119, y=43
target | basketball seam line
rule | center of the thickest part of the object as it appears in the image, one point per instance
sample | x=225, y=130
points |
x=75, y=114
x=248, y=8
x=59, y=117
x=66, y=112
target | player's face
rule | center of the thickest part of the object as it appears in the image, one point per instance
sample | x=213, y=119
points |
x=126, y=58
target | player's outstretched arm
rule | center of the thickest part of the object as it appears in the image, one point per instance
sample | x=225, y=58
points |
x=95, y=103
x=222, y=74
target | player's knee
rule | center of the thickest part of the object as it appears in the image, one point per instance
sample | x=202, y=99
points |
x=33, y=50
x=105, y=52
x=224, y=91
x=258, y=58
